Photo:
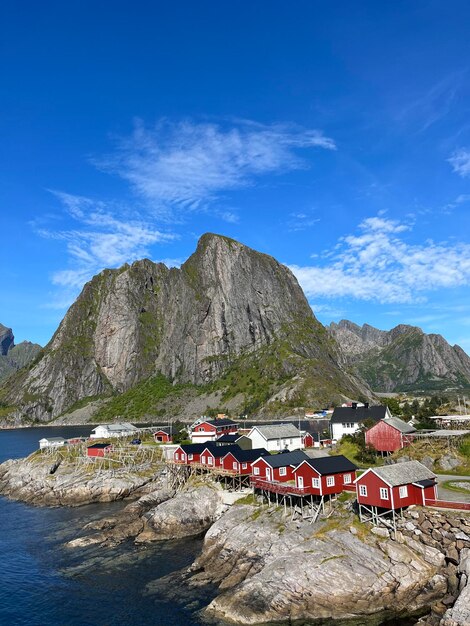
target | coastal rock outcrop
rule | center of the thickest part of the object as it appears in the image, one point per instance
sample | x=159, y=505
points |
x=270, y=569
x=190, y=512
x=31, y=481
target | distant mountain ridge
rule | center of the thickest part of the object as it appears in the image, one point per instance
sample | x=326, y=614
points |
x=14, y=357
x=401, y=359
x=231, y=321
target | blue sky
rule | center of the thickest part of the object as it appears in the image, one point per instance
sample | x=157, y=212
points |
x=333, y=135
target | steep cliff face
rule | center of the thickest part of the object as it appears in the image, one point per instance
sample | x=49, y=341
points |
x=192, y=325
x=402, y=359
x=13, y=357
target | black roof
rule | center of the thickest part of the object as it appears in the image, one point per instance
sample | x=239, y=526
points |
x=350, y=414
x=247, y=456
x=196, y=448
x=332, y=464
x=218, y=451
x=287, y=458
x=164, y=429
x=100, y=445
x=229, y=438
x=427, y=482
x=222, y=422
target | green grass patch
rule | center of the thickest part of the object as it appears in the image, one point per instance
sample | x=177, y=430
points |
x=142, y=401
x=450, y=484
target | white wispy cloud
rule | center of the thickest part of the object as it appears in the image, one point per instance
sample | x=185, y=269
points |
x=301, y=221
x=429, y=107
x=379, y=264
x=460, y=161
x=102, y=238
x=187, y=165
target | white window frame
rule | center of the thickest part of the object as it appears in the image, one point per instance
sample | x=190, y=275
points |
x=244, y=465
x=316, y=483
x=363, y=490
x=177, y=456
x=283, y=471
x=234, y=465
x=384, y=493
x=190, y=457
x=403, y=491
x=330, y=481
x=347, y=479
x=210, y=460
x=300, y=482
x=256, y=471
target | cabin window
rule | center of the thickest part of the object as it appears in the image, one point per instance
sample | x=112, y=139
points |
x=244, y=465
x=282, y=471
x=203, y=459
x=383, y=493
x=256, y=470
x=330, y=481
x=403, y=491
x=291, y=441
x=210, y=460
x=200, y=428
x=316, y=483
x=177, y=456
x=362, y=490
x=347, y=479
x=234, y=465
x=190, y=457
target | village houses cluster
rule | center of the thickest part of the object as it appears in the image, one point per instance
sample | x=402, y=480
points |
x=281, y=461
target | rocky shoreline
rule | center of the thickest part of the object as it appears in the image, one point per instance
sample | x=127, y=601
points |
x=264, y=567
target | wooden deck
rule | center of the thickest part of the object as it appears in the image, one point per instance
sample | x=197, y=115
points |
x=283, y=488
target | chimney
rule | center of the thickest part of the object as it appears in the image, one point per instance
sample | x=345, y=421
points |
x=354, y=405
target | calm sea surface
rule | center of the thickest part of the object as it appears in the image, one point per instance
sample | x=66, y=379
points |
x=42, y=583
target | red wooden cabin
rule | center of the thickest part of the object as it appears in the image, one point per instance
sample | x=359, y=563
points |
x=99, y=449
x=278, y=467
x=212, y=456
x=240, y=461
x=327, y=475
x=396, y=486
x=210, y=430
x=307, y=440
x=189, y=453
x=163, y=435
x=389, y=435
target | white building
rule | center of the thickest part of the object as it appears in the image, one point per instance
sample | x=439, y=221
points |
x=103, y=431
x=346, y=420
x=51, y=442
x=275, y=437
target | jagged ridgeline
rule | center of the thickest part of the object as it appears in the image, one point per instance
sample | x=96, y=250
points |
x=230, y=319
x=402, y=359
x=13, y=357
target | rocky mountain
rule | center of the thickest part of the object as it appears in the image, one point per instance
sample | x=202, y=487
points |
x=230, y=320
x=402, y=359
x=13, y=357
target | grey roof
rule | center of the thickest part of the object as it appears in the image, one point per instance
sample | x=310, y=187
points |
x=400, y=425
x=52, y=439
x=404, y=473
x=283, y=459
x=117, y=427
x=278, y=431
x=162, y=429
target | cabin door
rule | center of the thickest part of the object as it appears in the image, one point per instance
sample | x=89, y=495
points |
x=300, y=482
x=268, y=473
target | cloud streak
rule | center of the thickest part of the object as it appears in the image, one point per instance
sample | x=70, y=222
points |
x=186, y=166
x=378, y=264
x=460, y=161
x=101, y=239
